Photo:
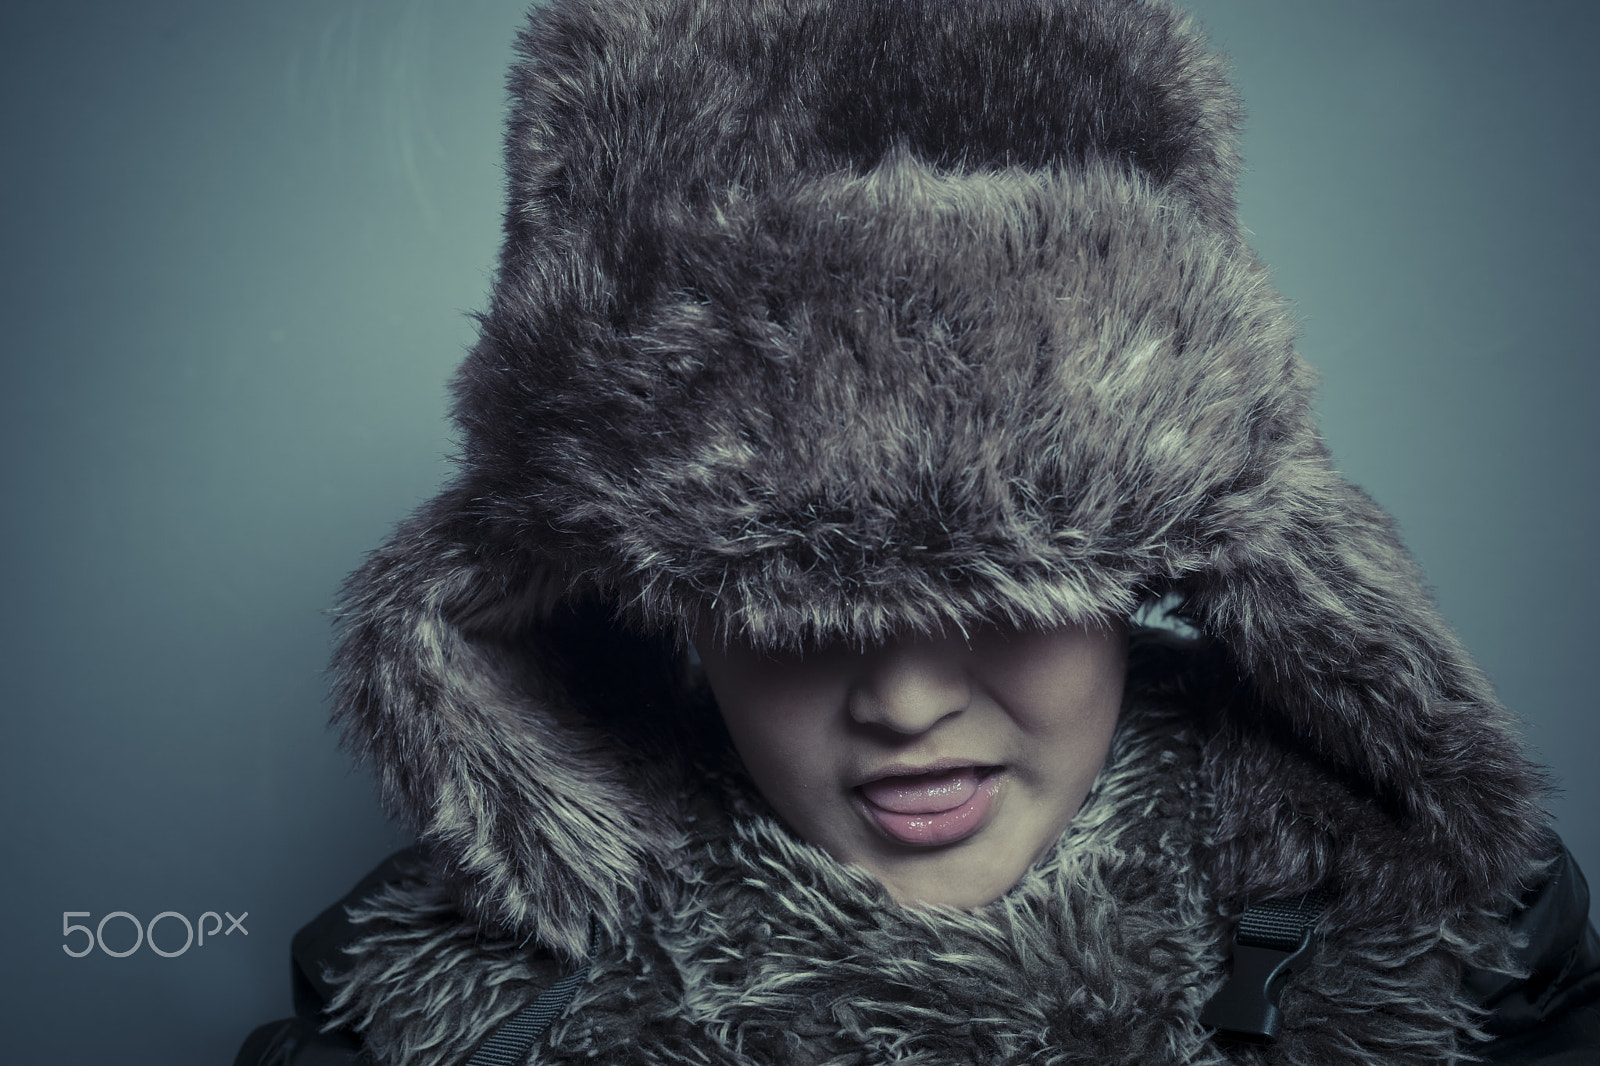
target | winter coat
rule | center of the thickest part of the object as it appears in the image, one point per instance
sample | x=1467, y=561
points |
x=1105, y=953
x=841, y=320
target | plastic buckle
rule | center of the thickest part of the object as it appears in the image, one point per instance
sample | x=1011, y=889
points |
x=1246, y=1006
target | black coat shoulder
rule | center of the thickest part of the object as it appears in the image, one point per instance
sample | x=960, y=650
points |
x=315, y=952
x=1552, y=1016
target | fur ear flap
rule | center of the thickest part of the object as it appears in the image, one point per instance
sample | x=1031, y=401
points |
x=1366, y=748
x=449, y=678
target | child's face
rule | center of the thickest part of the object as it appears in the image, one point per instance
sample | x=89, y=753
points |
x=944, y=766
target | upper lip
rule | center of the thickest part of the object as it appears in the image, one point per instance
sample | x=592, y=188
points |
x=906, y=769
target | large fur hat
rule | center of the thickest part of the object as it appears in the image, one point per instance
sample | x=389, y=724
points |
x=824, y=319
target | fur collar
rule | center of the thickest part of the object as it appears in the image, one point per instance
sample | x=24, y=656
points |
x=772, y=953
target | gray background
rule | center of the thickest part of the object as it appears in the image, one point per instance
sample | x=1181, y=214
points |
x=240, y=245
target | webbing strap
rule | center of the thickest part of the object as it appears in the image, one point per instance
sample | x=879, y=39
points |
x=1270, y=942
x=510, y=1044
x=1280, y=923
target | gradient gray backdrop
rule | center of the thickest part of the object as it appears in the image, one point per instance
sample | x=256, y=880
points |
x=241, y=243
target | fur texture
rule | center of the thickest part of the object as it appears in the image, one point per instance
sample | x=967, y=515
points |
x=774, y=953
x=843, y=318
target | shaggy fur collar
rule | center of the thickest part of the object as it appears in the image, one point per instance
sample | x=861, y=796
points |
x=772, y=953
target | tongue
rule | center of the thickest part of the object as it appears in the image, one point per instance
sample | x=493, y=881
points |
x=923, y=793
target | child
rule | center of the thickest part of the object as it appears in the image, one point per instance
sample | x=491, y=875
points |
x=764, y=690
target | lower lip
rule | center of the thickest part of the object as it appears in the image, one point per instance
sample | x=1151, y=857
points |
x=940, y=828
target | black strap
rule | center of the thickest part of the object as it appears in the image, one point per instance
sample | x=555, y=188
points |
x=510, y=1043
x=1270, y=942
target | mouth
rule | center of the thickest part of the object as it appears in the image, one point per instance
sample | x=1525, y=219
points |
x=931, y=807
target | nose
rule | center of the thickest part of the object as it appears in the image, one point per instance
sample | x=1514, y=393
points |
x=909, y=689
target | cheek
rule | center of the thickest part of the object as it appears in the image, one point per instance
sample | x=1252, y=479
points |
x=1057, y=687
x=781, y=722
x=774, y=744
x=788, y=750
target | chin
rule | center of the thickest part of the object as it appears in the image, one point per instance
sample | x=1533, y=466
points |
x=960, y=886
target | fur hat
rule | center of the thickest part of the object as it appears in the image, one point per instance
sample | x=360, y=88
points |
x=822, y=319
